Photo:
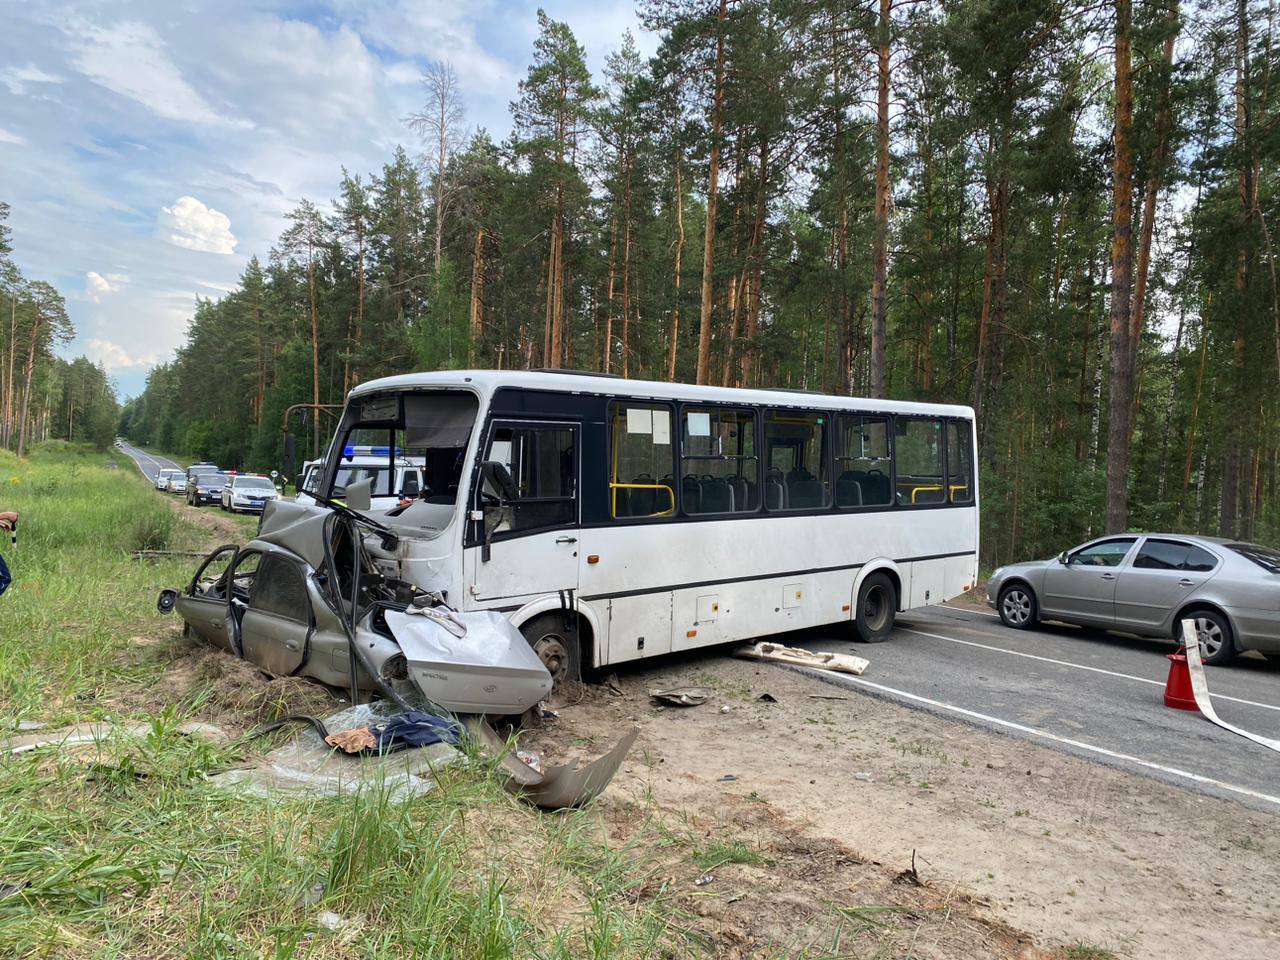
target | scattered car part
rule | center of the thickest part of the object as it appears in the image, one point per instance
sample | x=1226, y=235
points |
x=838, y=662
x=682, y=696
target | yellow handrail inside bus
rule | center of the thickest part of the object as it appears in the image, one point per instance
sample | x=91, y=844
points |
x=615, y=487
x=936, y=487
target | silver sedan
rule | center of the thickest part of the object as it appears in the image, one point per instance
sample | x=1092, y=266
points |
x=1146, y=584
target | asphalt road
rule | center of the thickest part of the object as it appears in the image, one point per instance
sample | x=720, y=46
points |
x=1093, y=694
x=148, y=463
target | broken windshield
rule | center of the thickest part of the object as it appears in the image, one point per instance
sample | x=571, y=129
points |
x=414, y=441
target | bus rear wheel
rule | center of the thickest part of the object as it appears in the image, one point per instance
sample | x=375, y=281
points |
x=559, y=649
x=877, y=605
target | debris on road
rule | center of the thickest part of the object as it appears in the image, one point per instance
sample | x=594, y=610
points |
x=838, y=662
x=682, y=696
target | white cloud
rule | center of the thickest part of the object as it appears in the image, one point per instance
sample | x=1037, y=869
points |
x=7, y=137
x=130, y=59
x=114, y=357
x=96, y=286
x=193, y=226
x=19, y=79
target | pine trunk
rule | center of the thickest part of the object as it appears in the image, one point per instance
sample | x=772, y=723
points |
x=880, y=251
x=674, y=333
x=1120, y=407
x=477, y=297
x=713, y=178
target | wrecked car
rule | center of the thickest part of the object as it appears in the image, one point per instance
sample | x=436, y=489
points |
x=305, y=598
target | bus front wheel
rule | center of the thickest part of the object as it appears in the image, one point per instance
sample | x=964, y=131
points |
x=877, y=604
x=559, y=649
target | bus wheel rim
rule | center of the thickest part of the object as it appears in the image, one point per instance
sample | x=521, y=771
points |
x=553, y=651
x=873, y=608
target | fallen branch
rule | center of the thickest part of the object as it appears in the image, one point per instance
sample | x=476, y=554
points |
x=838, y=662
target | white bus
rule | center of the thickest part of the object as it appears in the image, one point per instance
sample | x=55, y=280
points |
x=617, y=519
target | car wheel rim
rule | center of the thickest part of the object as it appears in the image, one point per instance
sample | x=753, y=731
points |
x=553, y=651
x=1016, y=607
x=875, y=608
x=1210, y=636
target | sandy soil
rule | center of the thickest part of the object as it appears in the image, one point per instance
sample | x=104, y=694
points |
x=1011, y=836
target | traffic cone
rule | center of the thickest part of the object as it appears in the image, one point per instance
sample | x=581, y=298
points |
x=1177, y=689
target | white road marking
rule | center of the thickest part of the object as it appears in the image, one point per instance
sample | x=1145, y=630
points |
x=981, y=613
x=1076, y=666
x=1080, y=744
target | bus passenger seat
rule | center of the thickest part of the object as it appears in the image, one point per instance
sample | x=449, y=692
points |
x=642, y=501
x=848, y=490
x=775, y=493
x=805, y=493
x=691, y=494
x=717, y=495
x=741, y=493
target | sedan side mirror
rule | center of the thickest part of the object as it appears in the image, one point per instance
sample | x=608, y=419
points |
x=1062, y=558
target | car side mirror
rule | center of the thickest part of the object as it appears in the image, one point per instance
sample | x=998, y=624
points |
x=499, y=479
x=1062, y=558
x=167, y=601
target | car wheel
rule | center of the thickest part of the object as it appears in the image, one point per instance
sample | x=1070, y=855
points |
x=1017, y=606
x=877, y=606
x=1214, y=633
x=559, y=649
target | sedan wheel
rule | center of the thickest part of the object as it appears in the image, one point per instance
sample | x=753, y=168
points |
x=1017, y=607
x=1214, y=634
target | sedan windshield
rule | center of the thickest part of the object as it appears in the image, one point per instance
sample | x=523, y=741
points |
x=1268, y=558
x=259, y=484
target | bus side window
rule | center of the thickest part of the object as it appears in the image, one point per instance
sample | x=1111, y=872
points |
x=543, y=463
x=959, y=461
x=642, y=479
x=864, y=465
x=797, y=441
x=918, y=457
x=718, y=464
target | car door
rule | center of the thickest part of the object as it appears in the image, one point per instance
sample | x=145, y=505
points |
x=276, y=624
x=203, y=604
x=1083, y=589
x=1163, y=573
x=533, y=547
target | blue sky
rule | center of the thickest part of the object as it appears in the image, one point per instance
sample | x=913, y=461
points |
x=148, y=149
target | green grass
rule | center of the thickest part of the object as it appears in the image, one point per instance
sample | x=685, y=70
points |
x=127, y=850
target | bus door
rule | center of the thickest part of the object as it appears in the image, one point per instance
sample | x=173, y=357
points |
x=531, y=528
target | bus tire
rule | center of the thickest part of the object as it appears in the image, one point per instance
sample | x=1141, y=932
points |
x=560, y=650
x=874, y=613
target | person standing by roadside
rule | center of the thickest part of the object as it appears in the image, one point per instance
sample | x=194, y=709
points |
x=9, y=525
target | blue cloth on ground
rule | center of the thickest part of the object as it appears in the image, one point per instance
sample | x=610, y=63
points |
x=5, y=577
x=414, y=729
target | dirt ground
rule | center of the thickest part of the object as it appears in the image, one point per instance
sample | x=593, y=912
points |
x=839, y=789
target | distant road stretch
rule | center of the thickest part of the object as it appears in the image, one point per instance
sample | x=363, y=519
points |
x=148, y=463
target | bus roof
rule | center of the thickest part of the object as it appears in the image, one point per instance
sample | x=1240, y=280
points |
x=485, y=382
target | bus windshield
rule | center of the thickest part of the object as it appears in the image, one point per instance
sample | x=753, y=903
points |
x=397, y=439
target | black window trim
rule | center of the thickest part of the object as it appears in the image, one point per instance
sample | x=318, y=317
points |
x=827, y=461
x=672, y=407
x=946, y=499
x=1177, y=541
x=757, y=434
x=888, y=418
x=493, y=423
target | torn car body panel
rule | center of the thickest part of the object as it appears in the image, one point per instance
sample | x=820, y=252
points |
x=319, y=594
